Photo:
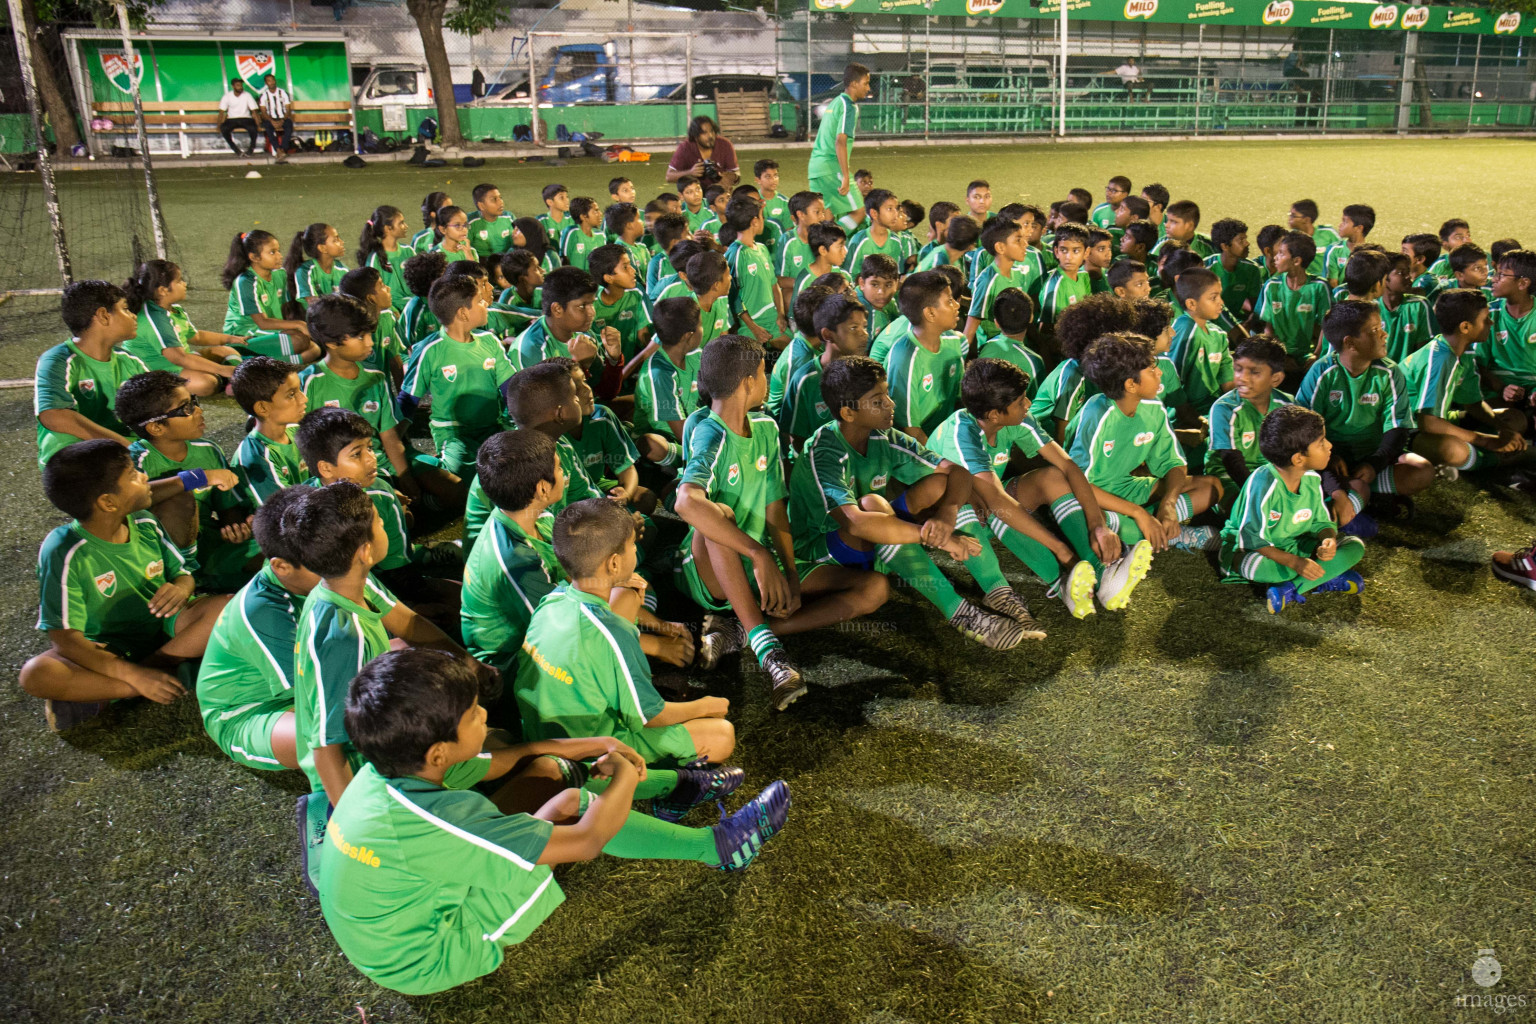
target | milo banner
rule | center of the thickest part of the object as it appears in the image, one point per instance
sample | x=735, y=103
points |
x=255, y=65
x=1272, y=13
x=114, y=65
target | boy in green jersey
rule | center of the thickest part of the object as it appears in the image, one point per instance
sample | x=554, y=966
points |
x=1453, y=234
x=1125, y=429
x=211, y=522
x=1115, y=193
x=490, y=229
x=839, y=323
x=1258, y=370
x=876, y=291
x=1302, y=219
x=978, y=201
x=570, y=309
x=1365, y=274
x=794, y=255
x=1433, y=375
x=603, y=447
x=245, y=683
x=116, y=596
x=417, y=323
x=1127, y=279
x=981, y=438
x=1181, y=224
x=1293, y=303
x=618, y=303
x=1014, y=313
x=1199, y=350
x=1069, y=282
x=76, y=384
x=1354, y=226
x=697, y=212
x=314, y=262
x=754, y=297
x=708, y=279
x=880, y=344
x=1061, y=394
x=1137, y=242
x=271, y=394
x=1240, y=279
x=1468, y=265
x=584, y=234
x=667, y=389
x=1508, y=358
x=166, y=339
x=1279, y=534
x=461, y=370
x=957, y=241
x=1363, y=399
x=765, y=173
x=924, y=365
x=367, y=285
x=829, y=248
x=740, y=554
x=879, y=234
x=830, y=170
x=803, y=348
x=525, y=281
x=940, y=215
x=867, y=496
x=1099, y=258
x=1004, y=241
x=623, y=226
x=426, y=884
x=1407, y=317
x=556, y=218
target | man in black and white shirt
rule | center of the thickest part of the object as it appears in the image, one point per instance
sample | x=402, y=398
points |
x=235, y=110
x=278, y=119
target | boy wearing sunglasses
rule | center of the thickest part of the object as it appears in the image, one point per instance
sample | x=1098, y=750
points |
x=208, y=522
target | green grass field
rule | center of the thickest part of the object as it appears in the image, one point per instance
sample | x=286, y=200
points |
x=1191, y=811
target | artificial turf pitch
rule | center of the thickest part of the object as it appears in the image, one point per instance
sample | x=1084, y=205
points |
x=1190, y=811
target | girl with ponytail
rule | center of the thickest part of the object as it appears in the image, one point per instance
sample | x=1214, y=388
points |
x=258, y=291
x=425, y=239
x=382, y=247
x=167, y=339
x=314, y=262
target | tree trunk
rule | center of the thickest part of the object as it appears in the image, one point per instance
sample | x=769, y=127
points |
x=428, y=15
x=55, y=100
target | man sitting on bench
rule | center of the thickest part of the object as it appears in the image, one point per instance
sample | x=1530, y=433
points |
x=235, y=110
x=277, y=118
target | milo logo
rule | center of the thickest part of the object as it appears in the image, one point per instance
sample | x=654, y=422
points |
x=1000, y=459
x=1384, y=16
x=976, y=7
x=1278, y=12
x=1301, y=516
x=1144, y=438
x=833, y=5
x=1415, y=17
x=1140, y=9
x=1508, y=22
x=490, y=362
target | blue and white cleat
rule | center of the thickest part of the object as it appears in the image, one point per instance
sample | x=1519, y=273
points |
x=740, y=838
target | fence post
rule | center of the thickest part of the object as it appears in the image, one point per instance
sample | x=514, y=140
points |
x=1199, y=67
x=688, y=78
x=1477, y=57
x=927, y=70
x=533, y=91
x=1061, y=74
x=810, y=126
x=1327, y=81
x=1405, y=87
x=44, y=164
x=156, y=219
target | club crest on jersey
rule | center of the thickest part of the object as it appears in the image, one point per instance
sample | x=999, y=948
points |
x=927, y=382
x=1369, y=398
x=155, y=568
x=485, y=235
x=107, y=583
x=733, y=475
x=1335, y=396
x=1145, y=437
x=821, y=408
x=1301, y=516
x=1109, y=446
x=370, y=406
x=953, y=369
x=451, y=373
x=1248, y=436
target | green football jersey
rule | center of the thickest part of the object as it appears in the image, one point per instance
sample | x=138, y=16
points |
x=1333, y=262
x=629, y=316
x=989, y=285
x=537, y=344
x=417, y=323
x=506, y=575
x=1200, y=245
x=1019, y=354
x=698, y=220
x=1235, y=427
x=161, y=329
x=876, y=320
x=936, y=257
x=577, y=245
x=336, y=638
x=1510, y=351
x=804, y=409
x=832, y=474
x=367, y=394
x=1357, y=410
x=1239, y=286
x=389, y=265
x=387, y=503
x=387, y=347
x=1056, y=292
x=1203, y=360
x=793, y=256
x=554, y=229
x=666, y=392
x=463, y=379
x=603, y=447
x=1102, y=216
x=102, y=589
x=962, y=440
x=1409, y=326
x=841, y=118
x=267, y=466
x=253, y=294
x=1269, y=514
x=658, y=268
x=924, y=384
x=423, y=240
x=67, y=378
x=215, y=561
x=741, y=472
x=639, y=258
x=1324, y=237
x=490, y=237
x=776, y=210
x=808, y=277
x=311, y=279
x=249, y=661
x=1110, y=446
x=753, y=285
x=799, y=351
x=1061, y=396
x=1433, y=375
x=1295, y=314
x=578, y=485
x=863, y=244
x=880, y=344
x=423, y=886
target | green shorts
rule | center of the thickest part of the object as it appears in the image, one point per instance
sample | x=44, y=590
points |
x=274, y=344
x=1137, y=489
x=836, y=203
x=456, y=452
x=694, y=587
x=666, y=747
x=245, y=733
x=138, y=646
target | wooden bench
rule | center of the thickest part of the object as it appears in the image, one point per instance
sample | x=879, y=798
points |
x=170, y=118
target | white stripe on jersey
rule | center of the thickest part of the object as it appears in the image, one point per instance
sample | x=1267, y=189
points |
x=469, y=837
x=629, y=680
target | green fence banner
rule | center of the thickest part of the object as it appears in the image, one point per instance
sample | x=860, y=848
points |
x=1270, y=13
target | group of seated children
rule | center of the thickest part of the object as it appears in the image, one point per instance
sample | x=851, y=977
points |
x=722, y=403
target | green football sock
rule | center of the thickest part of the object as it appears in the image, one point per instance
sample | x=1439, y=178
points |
x=762, y=641
x=657, y=782
x=984, y=568
x=1074, y=523
x=1039, y=558
x=646, y=838
x=911, y=563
